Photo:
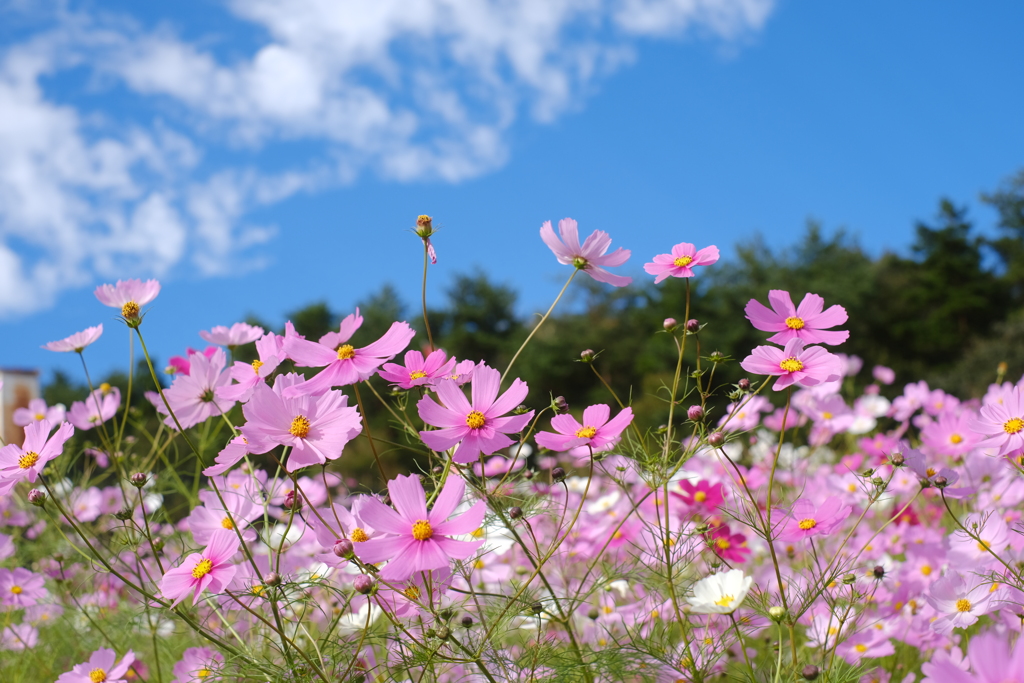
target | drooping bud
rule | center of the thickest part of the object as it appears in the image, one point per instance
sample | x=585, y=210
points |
x=139, y=479
x=343, y=548
x=560, y=405
x=37, y=497
x=695, y=413
x=363, y=584
x=693, y=326
x=558, y=474
x=669, y=324
x=716, y=439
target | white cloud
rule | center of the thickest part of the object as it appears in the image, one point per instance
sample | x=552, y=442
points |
x=406, y=89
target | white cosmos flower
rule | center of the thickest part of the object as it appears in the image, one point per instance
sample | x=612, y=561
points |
x=720, y=593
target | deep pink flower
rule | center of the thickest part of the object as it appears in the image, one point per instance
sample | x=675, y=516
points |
x=343, y=363
x=729, y=546
x=210, y=569
x=25, y=462
x=236, y=335
x=590, y=257
x=419, y=370
x=102, y=666
x=681, y=261
x=702, y=495
x=38, y=410
x=77, y=341
x=100, y=406
x=1002, y=423
x=806, y=519
x=196, y=397
x=794, y=365
x=128, y=295
x=596, y=434
x=477, y=427
x=413, y=539
x=806, y=322
x=315, y=427
x=248, y=375
x=21, y=588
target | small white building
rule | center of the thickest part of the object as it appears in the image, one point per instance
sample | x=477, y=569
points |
x=19, y=387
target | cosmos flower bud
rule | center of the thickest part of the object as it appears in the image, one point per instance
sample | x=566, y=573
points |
x=537, y=607
x=716, y=439
x=520, y=410
x=594, y=613
x=695, y=413
x=139, y=480
x=878, y=572
x=363, y=584
x=693, y=326
x=424, y=226
x=777, y=613
x=273, y=579
x=896, y=459
x=37, y=497
x=560, y=405
x=467, y=621
x=744, y=384
x=515, y=512
x=293, y=501
x=669, y=324
x=716, y=357
x=558, y=474
x=343, y=548
x=849, y=578
x=587, y=355
x=443, y=633
x=124, y=514
x=941, y=482
x=810, y=673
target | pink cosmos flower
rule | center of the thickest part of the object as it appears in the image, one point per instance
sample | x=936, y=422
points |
x=681, y=261
x=702, y=495
x=883, y=374
x=248, y=375
x=128, y=295
x=315, y=427
x=101, y=667
x=794, y=365
x=212, y=515
x=596, y=434
x=236, y=449
x=196, y=397
x=21, y=588
x=25, y=462
x=807, y=520
x=590, y=257
x=729, y=546
x=77, y=341
x=744, y=415
x=100, y=406
x=198, y=665
x=476, y=426
x=806, y=322
x=413, y=539
x=343, y=363
x=1002, y=423
x=236, y=335
x=992, y=660
x=19, y=637
x=958, y=602
x=950, y=435
x=179, y=365
x=419, y=371
x=211, y=569
x=37, y=410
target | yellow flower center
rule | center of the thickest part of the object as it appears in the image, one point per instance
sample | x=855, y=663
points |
x=963, y=605
x=130, y=311
x=586, y=433
x=930, y=471
x=203, y=568
x=300, y=427
x=227, y=523
x=956, y=438
x=479, y=564
x=476, y=420
x=419, y=374
x=412, y=592
x=791, y=365
x=257, y=589
x=203, y=673
x=827, y=415
x=795, y=323
x=358, y=536
x=860, y=647
x=346, y=351
x=421, y=530
x=39, y=416
x=27, y=460
x=926, y=570
x=98, y=675
x=723, y=543
x=1013, y=425
x=104, y=388
x=808, y=523
x=683, y=261
x=256, y=365
x=983, y=545
x=725, y=601
x=700, y=496
x=17, y=590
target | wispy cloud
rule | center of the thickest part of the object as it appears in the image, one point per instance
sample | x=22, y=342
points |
x=404, y=89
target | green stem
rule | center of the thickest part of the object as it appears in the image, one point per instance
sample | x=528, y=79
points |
x=534, y=331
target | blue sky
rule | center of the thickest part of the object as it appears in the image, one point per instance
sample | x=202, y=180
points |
x=256, y=156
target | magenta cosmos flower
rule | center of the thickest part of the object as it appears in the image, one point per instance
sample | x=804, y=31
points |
x=128, y=295
x=477, y=426
x=794, y=364
x=315, y=427
x=343, y=363
x=77, y=341
x=681, y=261
x=210, y=569
x=597, y=432
x=102, y=667
x=1002, y=423
x=196, y=397
x=411, y=538
x=590, y=257
x=236, y=335
x=25, y=462
x=419, y=370
x=806, y=321
x=807, y=519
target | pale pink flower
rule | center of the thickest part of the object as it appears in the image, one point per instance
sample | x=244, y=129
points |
x=418, y=370
x=806, y=322
x=1002, y=423
x=883, y=374
x=597, y=433
x=681, y=261
x=19, y=637
x=477, y=426
x=38, y=410
x=210, y=569
x=958, y=602
x=236, y=449
x=100, y=406
x=343, y=363
x=411, y=538
x=196, y=397
x=248, y=375
x=25, y=462
x=180, y=365
x=77, y=341
x=236, y=335
x=807, y=520
x=212, y=515
x=198, y=665
x=20, y=587
x=101, y=667
x=128, y=295
x=795, y=364
x=590, y=257
x=992, y=660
